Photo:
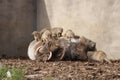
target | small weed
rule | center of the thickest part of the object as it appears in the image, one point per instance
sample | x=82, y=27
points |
x=16, y=73
x=3, y=71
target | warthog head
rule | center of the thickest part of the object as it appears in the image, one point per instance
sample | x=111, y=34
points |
x=90, y=45
x=45, y=50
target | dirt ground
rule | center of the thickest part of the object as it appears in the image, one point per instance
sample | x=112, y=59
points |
x=66, y=70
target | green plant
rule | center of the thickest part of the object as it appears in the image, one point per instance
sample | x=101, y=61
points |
x=3, y=71
x=17, y=73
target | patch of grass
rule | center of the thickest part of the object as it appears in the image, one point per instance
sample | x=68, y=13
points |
x=16, y=73
x=3, y=71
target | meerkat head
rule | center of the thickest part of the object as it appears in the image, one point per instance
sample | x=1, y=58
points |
x=69, y=34
x=46, y=36
x=36, y=35
x=60, y=31
x=57, y=32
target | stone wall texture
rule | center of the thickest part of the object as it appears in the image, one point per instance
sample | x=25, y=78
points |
x=98, y=20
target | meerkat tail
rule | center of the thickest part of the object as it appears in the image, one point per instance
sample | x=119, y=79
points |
x=50, y=55
x=107, y=60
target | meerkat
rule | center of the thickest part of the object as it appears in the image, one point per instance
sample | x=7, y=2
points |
x=57, y=32
x=46, y=35
x=43, y=35
x=36, y=35
x=98, y=56
x=69, y=34
x=44, y=29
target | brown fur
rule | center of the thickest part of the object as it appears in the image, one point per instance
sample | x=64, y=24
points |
x=78, y=51
x=36, y=35
x=43, y=50
x=98, y=56
x=69, y=34
x=90, y=45
x=57, y=32
x=63, y=45
x=46, y=35
x=43, y=35
x=72, y=51
x=44, y=29
x=80, y=48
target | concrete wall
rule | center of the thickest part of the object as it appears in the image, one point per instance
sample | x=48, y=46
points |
x=17, y=21
x=98, y=20
x=42, y=15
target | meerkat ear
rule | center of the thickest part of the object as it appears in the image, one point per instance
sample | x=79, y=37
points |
x=34, y=32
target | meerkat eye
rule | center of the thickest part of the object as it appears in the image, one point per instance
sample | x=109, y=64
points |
x=59, y=34
x=50, y=36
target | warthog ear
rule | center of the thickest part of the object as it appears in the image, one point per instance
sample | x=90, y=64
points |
x=83, y=40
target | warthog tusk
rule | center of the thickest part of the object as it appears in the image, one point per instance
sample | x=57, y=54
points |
x=36, y=50
x=50, y=55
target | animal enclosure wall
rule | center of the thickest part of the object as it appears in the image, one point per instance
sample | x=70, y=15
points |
x=98, y=20
x=17, y=21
